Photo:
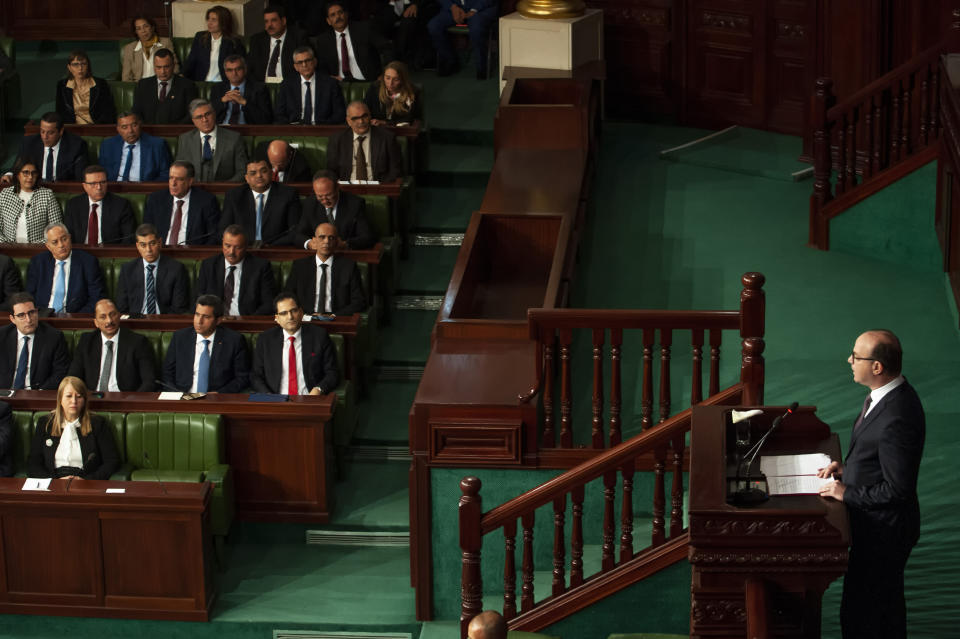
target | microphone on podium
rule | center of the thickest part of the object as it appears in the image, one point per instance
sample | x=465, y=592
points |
x=752, y=495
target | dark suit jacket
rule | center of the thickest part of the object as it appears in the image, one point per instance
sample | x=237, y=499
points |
x=6, y=440
x=229, y=361
x=261, y=46
x=198, y=60
x=9, y=280
x=202, y=218
x=116, y=219
x=173, y=110
x=154, y=158
x=84, y=288
x=48, y=364
x=319, y=360
x=257, y=285
x=328, y=106
x=351, y=221
x=297, y=169
x=364, y=51
x=385, y=163
x=281, y=212
x=257, y=110
x=98, y=450
x=136, y=365
x=880, y=472
x=346, y=288
x=71, y=160
x=378, y=111
x=173, y=286
x=102, y=110
x=229, y=158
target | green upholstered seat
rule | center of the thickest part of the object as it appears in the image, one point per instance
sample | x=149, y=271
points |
x=173, y=142
x=22, y=434
x=181, y=48
x=93, y=147
x=122, y=95
x=9, y=47
x=22, y=263
x=137, y=202
x=378, y=213
x=63, y=197
x=204, y=88
x=353, y=91
x=10, y=98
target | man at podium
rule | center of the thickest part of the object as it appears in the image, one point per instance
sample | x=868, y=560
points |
x=878, y=484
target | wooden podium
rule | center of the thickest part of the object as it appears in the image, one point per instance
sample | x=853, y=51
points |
x=760, y=571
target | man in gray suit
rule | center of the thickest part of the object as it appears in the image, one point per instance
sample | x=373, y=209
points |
x=218, y=154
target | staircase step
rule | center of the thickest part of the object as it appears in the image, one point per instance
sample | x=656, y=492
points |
x=357, y=538
x=397, y=372
x=437, y=239
x=418, y=302
x=322, y=634
x=382, y=453
x=427, y=270
x=407, y=339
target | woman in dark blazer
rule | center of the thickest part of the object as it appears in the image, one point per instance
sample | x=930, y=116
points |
x=71, y=442
x=219, y=34
x=82, y=98
x=392, y=98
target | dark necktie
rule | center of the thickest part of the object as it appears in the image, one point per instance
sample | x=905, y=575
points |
x=228, y=286
x=93, y=226
x=207, y=150
x=129, y=164
x=292, y=370
x=863, y=413
x=274, y=58
x=345, y=58
x=175, y=227
x=322, y=293
x=151, y=292
x=234, y=110
x=163, y=91
x=21, y=377
x=307, y=105
x=107, y=365
x=329, y=216
x=51, y=176
x=361, y=159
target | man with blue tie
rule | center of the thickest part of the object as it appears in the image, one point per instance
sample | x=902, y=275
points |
x=309, y=97
x=267, y=211
x=240, y=99
x=152, y=283
x=32, y=354
x=207, y=357
x=218, y=152
x=63, y=279
x=134, y=156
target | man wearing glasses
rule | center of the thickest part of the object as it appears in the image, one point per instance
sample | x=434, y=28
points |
x=878, y=484
x=217, y=153
x=309, y=97
x=32, y=355
x=364, y=153
x=99, y=217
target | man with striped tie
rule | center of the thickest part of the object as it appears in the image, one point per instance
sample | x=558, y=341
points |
x=153, y=283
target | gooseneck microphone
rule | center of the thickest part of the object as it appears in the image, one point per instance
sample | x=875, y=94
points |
x=146, y=461
x=748, y=496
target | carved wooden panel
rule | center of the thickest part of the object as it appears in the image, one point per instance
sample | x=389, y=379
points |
x=90, y=20
x=476, y=442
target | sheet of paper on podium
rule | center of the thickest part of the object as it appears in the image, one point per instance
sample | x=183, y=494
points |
x=794, y=474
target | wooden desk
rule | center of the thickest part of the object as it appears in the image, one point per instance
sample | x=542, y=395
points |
x=281, y=453
x=78, y=551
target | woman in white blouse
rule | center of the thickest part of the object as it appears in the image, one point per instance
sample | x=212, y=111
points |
x=137, y=56
x=72, y=442
x=211, y=47
x=26, y=208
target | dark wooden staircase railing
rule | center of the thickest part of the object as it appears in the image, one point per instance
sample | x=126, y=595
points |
x=883, y=132
x=660, y=448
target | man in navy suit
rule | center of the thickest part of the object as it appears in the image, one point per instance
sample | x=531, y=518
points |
x=64, y=279
x=479, y=15
x=878, y=484
x=293, y=358
x=308, y=97
x=181, y=213
x=163, y=98
x=33, y=355
x=328, y=284
x=133, y=156
x=244, y=282
x=345, y=210
x=267, y=211
x=240, y=99
x=113, y=358
x=99, y=217
x=58, y=154
x=152, y=283
x=207, y=357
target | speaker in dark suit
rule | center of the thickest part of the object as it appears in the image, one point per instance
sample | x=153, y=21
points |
x=252, y=290
x=363, y=58
x=248, y=103
x=115, y=224
x=287, y=164
x=202, y=209
x=132, y=365
x=6, y=440
x=171, y=282
x=384, y=161
x=10, y=282
x=70, y=157
x=347, y=210
x=48, y=359
x=280, y=212
x=327, y=104
x=263, y=43
x=228, y=368
x=98, y=451
x=345, y=295
x=84, y=284
x=177, y=95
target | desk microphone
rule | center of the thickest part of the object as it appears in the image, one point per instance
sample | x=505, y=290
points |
x=166, y=386
x=752, y=496
x=146, y=461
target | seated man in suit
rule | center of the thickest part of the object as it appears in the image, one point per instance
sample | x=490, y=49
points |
x=152, y=283
x=207, y=357
x=270, y=58
x=362, y=61
x=99, y=217
x=308, y=97
x=244, y=282
x=220, y=153
x=479, y=15
x=328, y=284
x=58, y=154
x=33, y=354
x=134, y=156
x=6, y=440
x=268, y=212
x=240, y=99
x=9, y=281
x=112, y=358
x=163, y=98
x=344, y=210
x=182, y=214
x=293, y=358
x=286, y=162
x=64, y=279
x=364, y=152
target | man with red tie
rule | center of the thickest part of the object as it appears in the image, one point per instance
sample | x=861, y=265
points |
x=99, y=217
x=348, y=50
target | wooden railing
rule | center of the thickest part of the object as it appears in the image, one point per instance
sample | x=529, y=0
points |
x=876, y=136
x=661, y=447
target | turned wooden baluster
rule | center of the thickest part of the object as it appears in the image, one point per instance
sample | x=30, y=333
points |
x=696, y=381
x=616, y=341
x=549, y=437
x=823, y=99
x=566, y=389
x=646, y=399
x=895, y=124
x=752, y=371
x=905, y=129
x=753, y=302
x=666, y=341
x=879, y=151
x=716, y=338
x=559, y=547
x=852, y=147
x=596, y=423
x=925, y=105
x=935, y=98
x=870, y=141
x=526, y=567
x=510, y=569
x=842, y=155
x=676, y=490
x=626, y=514
x=576, y=538
x=607, y=558
x=471, y=584
x=659, y=499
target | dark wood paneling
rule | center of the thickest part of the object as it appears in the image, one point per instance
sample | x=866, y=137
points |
x=90, y=20
x=474, y=442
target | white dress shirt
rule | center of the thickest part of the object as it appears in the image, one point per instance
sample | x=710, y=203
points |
x=148, y=71
x=198, y=349
x=329, y=287
x=112, y=379
x=20, y=336
x=56, y=156
x=285, y=369
x=182, y=237
x=22, y=237
x=66, y=279
x=878, y=393
x=354, y=67
x=68, y=450
x=213, y=74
